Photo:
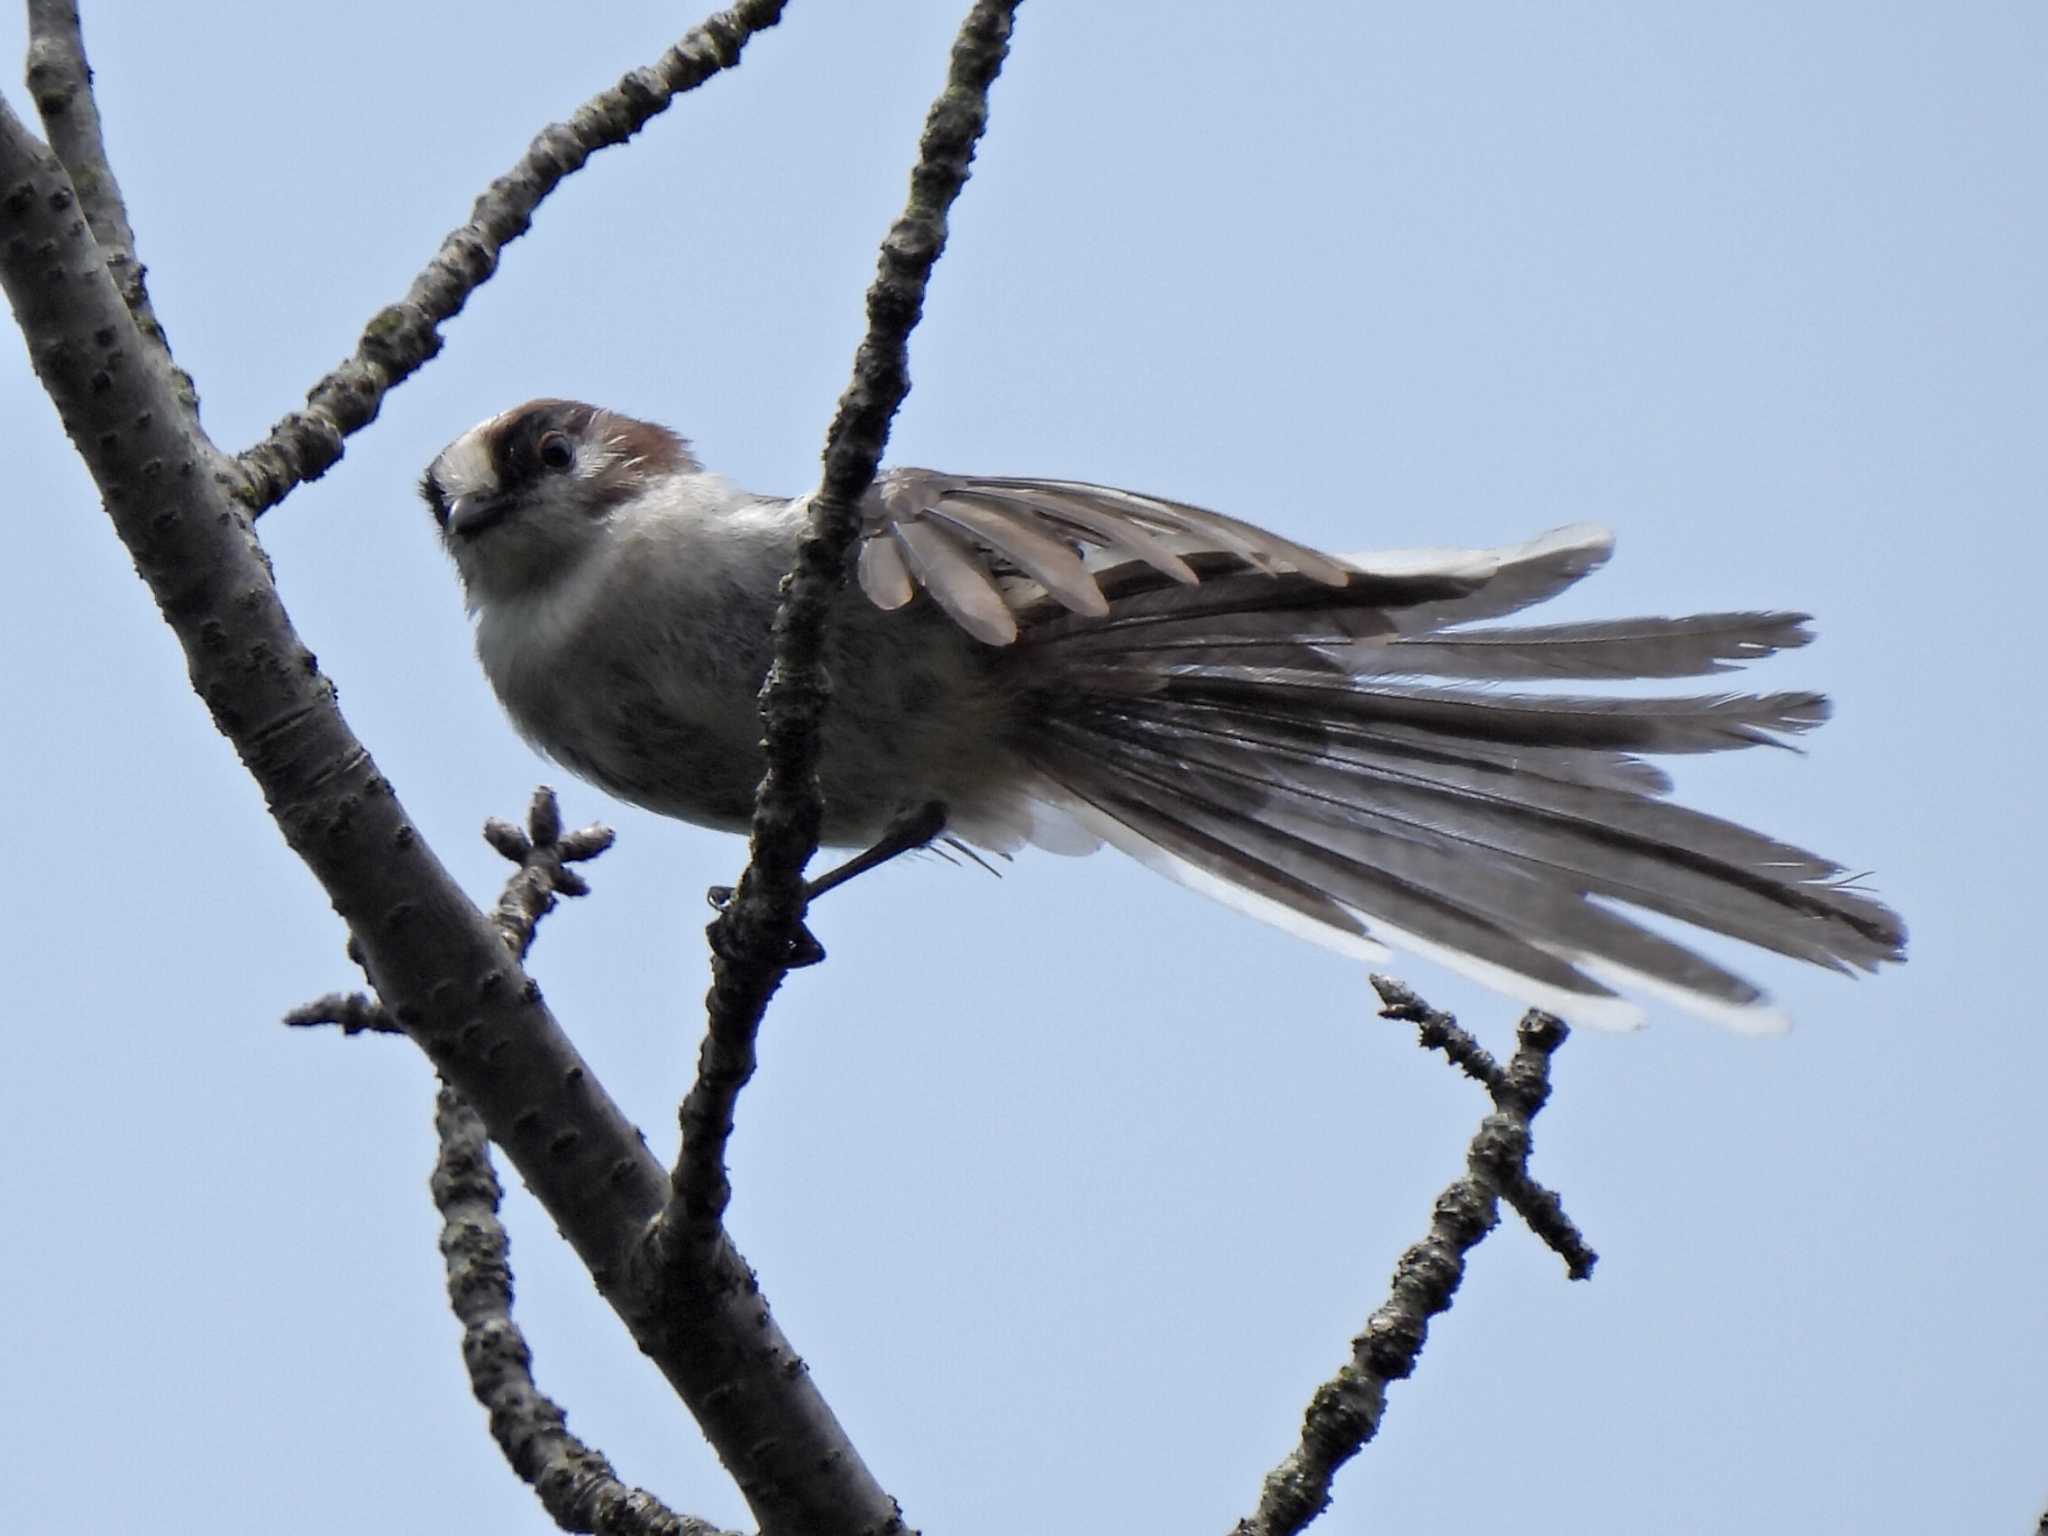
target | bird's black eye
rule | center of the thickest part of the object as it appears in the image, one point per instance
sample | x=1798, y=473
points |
x=556, y=451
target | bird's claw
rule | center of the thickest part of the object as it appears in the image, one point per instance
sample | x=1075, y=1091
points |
x=803, y=949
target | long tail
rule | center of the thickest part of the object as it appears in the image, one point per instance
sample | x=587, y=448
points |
x=1341, y=761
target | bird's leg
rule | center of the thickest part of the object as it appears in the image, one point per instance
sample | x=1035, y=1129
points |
x=912, y=829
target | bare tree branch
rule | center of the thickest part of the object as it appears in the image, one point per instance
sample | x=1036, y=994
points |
x=437, y=962
x=1346, y=1410
x=402, y=336
x=1523, y=1087
x=576, y=1484
x=543, y=853
x=1438, y=1031
x=751, y=938
x=357, y=1013
x=60, y=83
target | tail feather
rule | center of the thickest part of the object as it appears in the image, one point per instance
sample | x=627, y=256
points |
x=1153, y=834
x=1215, y=841
x=1715, y=723
x=1539, y=902
x=1149, y=801
x=1359, y=640
x=1260, y=737
x=1564, y=765
x=1614, y=649
x=1650, y=854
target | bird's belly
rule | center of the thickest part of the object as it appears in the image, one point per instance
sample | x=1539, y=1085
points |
x=909, y=722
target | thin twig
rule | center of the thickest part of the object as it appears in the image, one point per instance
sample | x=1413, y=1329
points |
x=60, y=81
x=1346, y=1410
x=402, y=336
x=750, y=940
x=357, y=1013
x=576, y=1484
x=1523, y=1086
x=1438, y=1031
x=543, y=853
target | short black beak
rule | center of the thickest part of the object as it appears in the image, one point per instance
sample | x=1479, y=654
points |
x=469, y=516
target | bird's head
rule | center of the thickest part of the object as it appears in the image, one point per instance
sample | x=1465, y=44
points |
x=523, y=497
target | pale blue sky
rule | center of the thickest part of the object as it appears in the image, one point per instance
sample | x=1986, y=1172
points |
x=1070, y=1185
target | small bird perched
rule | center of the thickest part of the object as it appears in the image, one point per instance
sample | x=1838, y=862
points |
x=1317, y=740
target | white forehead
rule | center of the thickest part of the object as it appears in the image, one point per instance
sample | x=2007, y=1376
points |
x=464, y=466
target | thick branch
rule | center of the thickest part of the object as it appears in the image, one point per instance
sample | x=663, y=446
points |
x=1346, y=1410
x=750, y=941
x=402, y=336
x=437, y=962
x=576, y=1484
x=543, y=853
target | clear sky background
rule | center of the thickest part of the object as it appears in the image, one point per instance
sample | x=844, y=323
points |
x=1071, y=1185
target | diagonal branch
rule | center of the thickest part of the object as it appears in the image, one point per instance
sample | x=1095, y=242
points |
x=750, y=941
x=402, y=336
x=575, y=1483
x=1346, y=1410
x=543, y=853
x=438, y=963
x=60, y=81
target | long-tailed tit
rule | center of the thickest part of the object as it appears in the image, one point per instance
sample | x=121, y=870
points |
x=1323, y=742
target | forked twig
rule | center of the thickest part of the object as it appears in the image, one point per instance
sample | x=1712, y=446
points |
x=1346, y=1410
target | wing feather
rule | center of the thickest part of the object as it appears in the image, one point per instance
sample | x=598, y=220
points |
x=959, y=582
